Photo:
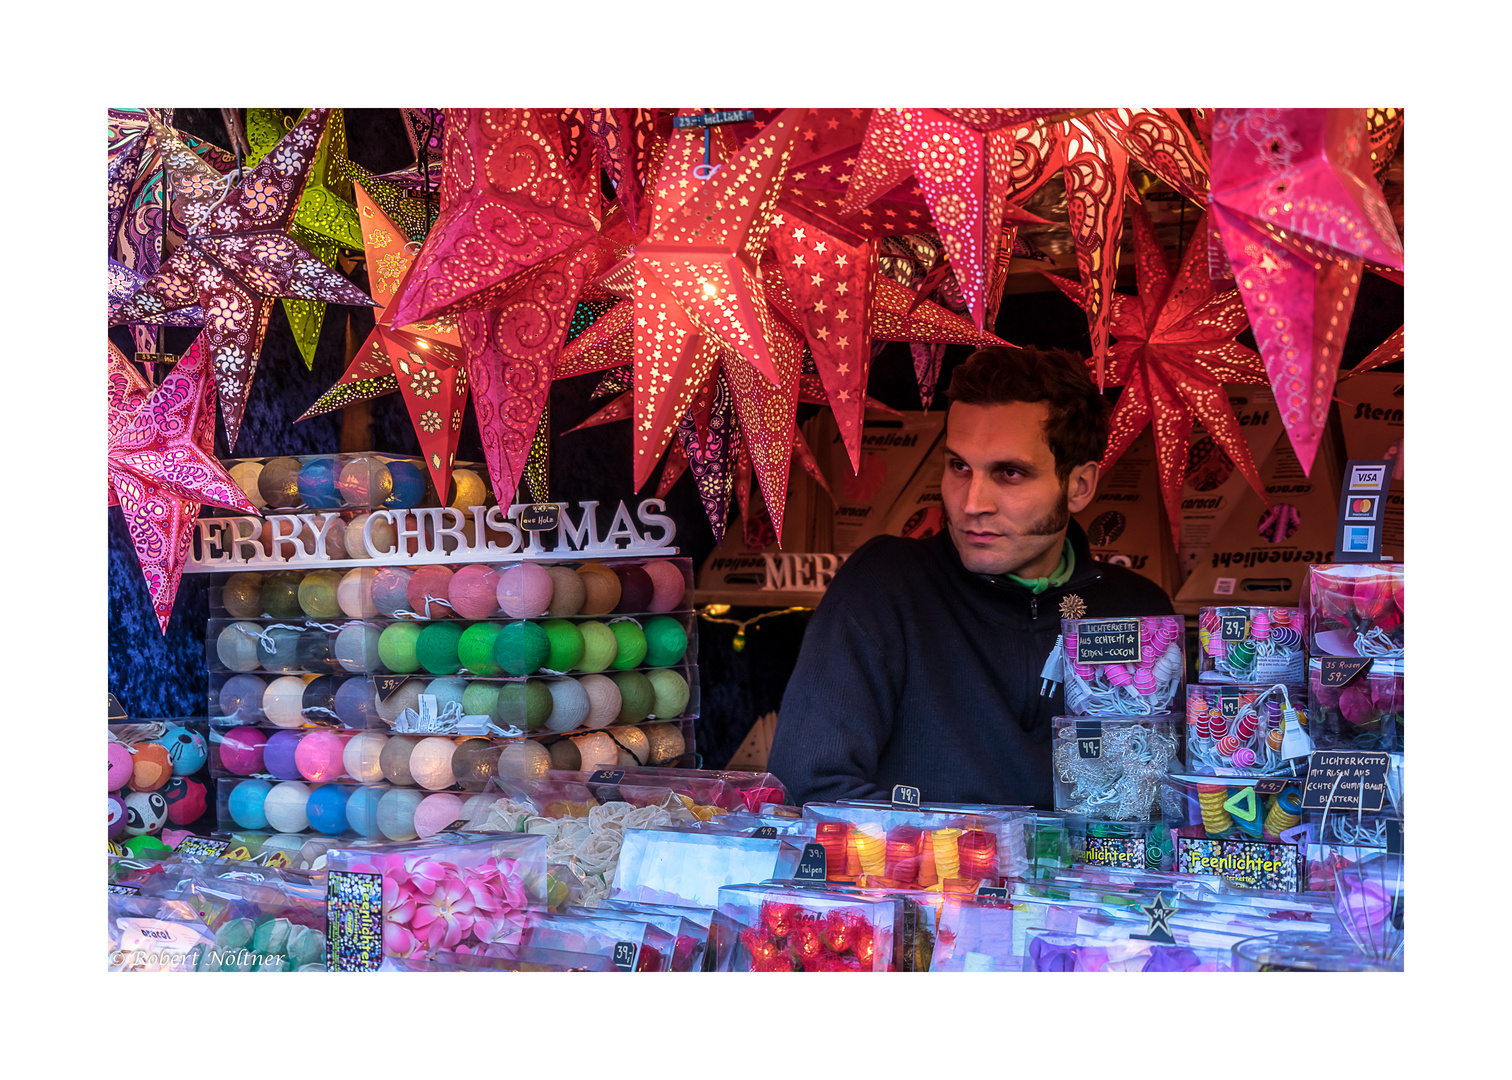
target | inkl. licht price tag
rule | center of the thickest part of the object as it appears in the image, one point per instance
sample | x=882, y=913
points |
x=123, y=890
x=1107, y=641
x=811, y=867
x=1089, y=739
x=624, y=955
x=1336, y=671
x=540, y=517
x=905, y=796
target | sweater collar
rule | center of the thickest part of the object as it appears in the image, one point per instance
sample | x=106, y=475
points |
x=1084, y=568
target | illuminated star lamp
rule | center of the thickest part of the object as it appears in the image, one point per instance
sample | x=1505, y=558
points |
x=1173, y=352
x=238, y=260
x=161, y=464
x=1299, y=214
x=423, y=362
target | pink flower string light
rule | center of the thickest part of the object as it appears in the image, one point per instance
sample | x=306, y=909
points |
x=430, y=905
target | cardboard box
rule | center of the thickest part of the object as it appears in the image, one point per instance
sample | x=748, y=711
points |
x=1126, y=522
x=1371, y=417
x=893, y=448
x=919, y=511
x=1261, y=556
x=1214, y=486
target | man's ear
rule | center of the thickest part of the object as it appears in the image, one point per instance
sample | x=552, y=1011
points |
x=1081, y=485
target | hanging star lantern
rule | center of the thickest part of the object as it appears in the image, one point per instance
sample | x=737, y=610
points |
x=1299, y=214
x=423, y=362
x=238, y=260
x=161, y=464
x=1175, y=349
x=326, y=220
x=509, y=200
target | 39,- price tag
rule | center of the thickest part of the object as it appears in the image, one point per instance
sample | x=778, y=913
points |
x=625, y=953
x=811, y=867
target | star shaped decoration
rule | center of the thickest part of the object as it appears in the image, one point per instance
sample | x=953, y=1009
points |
x=326, y=220
x=238, y=259
x=1175, y=349
x=161, y=464
x=423, y=362
x=1299, y=214
x=510, y=199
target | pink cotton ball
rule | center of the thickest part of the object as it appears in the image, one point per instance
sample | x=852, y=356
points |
x=1354, y=703
x=118, y=760
x=319, y=755
x=435, y=813
x=524, y=591
x=668, y=586
x=474, y=591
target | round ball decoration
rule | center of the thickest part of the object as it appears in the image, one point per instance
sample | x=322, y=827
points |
x=316, y=652
x=285, y=807
x=634, y=747
x=278, y=755
x=600, y=647
x=365, y=481
x=668, y=585
x=245, y=475
x=362, y=811
x=355, y=706
x=431, y=763
x=564, y=755
x=475, y=763
x=241, y=595
x=399, y=647
x=151, y=767
x=317, y=594
x=391, y=590
x=318, y=703
x=408, y=480
x=636, y=589
x=523, y=759
x=405, y=696
x=241, y=750
x=241, y=698
x=186, y=748
x=278, y=483
x=316, y=486
x=475, y=649
x=595, y=751
x=236, y=646
x=467, y=490
x=601, y=587
x=356, y=648
x=569, y=705
x=326, y=809
x=524, y=591
x=118, y=760
x=354, y=594
x=521, y=648
x=630, y=642
x=666, y=742
x=526, y=705
x=603, y=701
x=566, y=642
x=474, y=591
x=666, y=641
x=361, y=758
x=186, y=799
x=319, y=757
x=245, y=804
x=394, y=760
x=146, y=813
x=280, y=594
x=671, y=691
x=435, y=813
x=436, y=647
x=567, y=592
x=429, y=588
x=283, y=700
x=278, y=650
x=396, y=814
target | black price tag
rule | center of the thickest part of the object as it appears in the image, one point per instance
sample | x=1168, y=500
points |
x=1336, y=671
x=1229, y=704
x=624, y=955
x=1107, y=641
x=1088, y=739
x=385, y=685
x=992, y=894
x=457, y=825
x=540, y=517
x=607, y=776
x=812, y=866
x=714, y=119
x=1233, y=628
x=765, y=832
x=156, y=358
x=1345, y=780
x=1270, y=787
x=903, y=795
x=113, y=710
x=1393, y=836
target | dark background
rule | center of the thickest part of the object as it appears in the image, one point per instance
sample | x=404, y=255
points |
x=157, y=674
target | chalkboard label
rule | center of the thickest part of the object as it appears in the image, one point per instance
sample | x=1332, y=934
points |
x=1345, y=780
x=1270, y=787
x=811, y=867
x=903, y=795
x=113, y=710
x=540, y=517
x=385, y=685
x=765, y=832
x=1229, y=703
x=1336, y=671
x=624, y=955
x=992, y=894
x=1088, y=739
x=1233, y=628
x=156, y=358
x=607, y=776
x=712, y=119
x=1107, y=641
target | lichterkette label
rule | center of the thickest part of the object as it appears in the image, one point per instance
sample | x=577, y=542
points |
x=1107, y=641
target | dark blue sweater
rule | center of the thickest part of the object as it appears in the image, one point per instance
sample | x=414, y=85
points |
x=914, y=670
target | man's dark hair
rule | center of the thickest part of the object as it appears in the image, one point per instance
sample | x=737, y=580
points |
x=1077, y=427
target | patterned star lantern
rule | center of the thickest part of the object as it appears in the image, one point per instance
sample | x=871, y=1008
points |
x=326, y=220
x=123, y=281
x=623, y=140
x=161, y=464
x=238, y=260
x=423, y=361
x=1299, y=214
x=509, y=200
x=827, y=271
x=1175, y=349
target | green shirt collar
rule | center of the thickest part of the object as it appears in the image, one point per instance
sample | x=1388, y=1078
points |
x=1061, y=575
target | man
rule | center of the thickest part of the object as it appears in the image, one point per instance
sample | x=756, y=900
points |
x=923, y=664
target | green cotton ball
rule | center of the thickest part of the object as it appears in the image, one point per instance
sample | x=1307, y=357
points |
x=436, y=648
x=475, y=648
x=306, y=946
x=522, y=647
x=631, y=640
x=524, y=705
x=272, y=937
x=637, y=696
x=236, y=934
x=666, y=641
x=566, y=644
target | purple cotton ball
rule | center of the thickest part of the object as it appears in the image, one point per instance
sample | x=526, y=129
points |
x=1355, y=704
x=278, y=755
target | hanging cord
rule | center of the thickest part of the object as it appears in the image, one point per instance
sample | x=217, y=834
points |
x=710, y=612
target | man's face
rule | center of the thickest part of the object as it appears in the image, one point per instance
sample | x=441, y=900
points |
x=1006, y=508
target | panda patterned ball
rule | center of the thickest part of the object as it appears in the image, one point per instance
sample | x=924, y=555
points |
x=146, y=813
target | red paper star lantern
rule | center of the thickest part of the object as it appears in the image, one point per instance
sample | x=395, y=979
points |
x=423, y=361
x=1173, y=353
x=1299, y=213
x=509, y=199
x=238, y=259
x=161, y=464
